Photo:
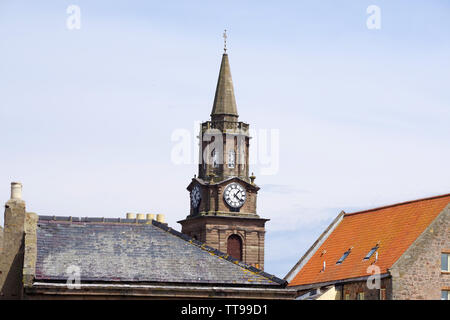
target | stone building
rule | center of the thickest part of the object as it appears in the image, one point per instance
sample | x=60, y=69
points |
x=395, y=252
x=223, y=196
x=138, y=257
x=54, y=257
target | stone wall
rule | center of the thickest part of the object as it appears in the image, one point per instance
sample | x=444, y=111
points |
x=417, y=274
x=353, y=288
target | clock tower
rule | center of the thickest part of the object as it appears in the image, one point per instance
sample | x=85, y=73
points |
x=223, y=195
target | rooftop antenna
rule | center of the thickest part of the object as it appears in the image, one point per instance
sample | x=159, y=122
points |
x=225, y=41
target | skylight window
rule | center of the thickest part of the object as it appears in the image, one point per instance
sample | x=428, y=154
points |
x=371, y=252
x=345, y=255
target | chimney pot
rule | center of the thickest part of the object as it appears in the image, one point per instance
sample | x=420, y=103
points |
x=16, y=191
x=150, y=216
x=140, y=216
x=131, y=216
x=160, y=218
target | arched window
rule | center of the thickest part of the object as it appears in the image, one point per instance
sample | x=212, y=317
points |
x=234, y=246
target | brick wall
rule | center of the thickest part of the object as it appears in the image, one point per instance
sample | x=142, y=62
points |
x=417, y=274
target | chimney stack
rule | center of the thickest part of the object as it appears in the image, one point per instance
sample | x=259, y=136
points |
x=16, y=191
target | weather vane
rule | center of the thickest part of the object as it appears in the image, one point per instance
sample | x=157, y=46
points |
x=225, y=41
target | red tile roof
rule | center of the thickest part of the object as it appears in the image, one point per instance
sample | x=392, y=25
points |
x=394, y=227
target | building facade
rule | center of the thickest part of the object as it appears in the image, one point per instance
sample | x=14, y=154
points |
x=57, y=257
x=398, y=252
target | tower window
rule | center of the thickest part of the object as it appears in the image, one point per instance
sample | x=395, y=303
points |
x=214, y=158
x=234, y=246
x=231, y=159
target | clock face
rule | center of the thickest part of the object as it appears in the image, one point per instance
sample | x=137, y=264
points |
x=235, y=195
x=196, y=196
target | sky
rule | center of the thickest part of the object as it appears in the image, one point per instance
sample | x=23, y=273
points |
x=362, y=115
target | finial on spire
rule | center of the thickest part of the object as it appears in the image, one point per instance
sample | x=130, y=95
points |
x=225, y=41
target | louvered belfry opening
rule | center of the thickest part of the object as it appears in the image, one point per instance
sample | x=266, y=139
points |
x=234, y=246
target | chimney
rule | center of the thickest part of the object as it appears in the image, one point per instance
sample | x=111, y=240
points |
x=150, y=216
x=18, y=224
x=16, y=191
x=131, y=216
x=160, y=218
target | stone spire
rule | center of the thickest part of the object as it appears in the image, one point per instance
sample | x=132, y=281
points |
x=224, y=107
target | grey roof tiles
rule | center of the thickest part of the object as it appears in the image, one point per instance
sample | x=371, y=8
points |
x=119, y=250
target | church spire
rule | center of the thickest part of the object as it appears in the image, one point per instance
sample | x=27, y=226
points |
x=224, y=107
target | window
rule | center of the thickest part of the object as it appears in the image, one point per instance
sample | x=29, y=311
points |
x=231, y=159
x=445, y=295
x=360, y=296
x=234, y=246
x=344, y=256
x=382, y=294
x=445, y=262
x=371, y=252
x=347, y=296
x=214, y=158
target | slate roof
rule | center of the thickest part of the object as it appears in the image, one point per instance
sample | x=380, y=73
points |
x=393, y=228
x=120, y=250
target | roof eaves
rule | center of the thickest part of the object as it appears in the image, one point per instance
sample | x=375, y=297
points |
x=335, y=282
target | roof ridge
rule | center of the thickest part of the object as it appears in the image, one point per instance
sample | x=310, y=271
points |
x=219, y=253
x=397, y=204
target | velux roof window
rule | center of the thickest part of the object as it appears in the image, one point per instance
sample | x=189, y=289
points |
x=345, y=255
x=371, y=252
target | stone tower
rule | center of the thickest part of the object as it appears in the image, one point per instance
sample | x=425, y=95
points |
x=223, y=196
